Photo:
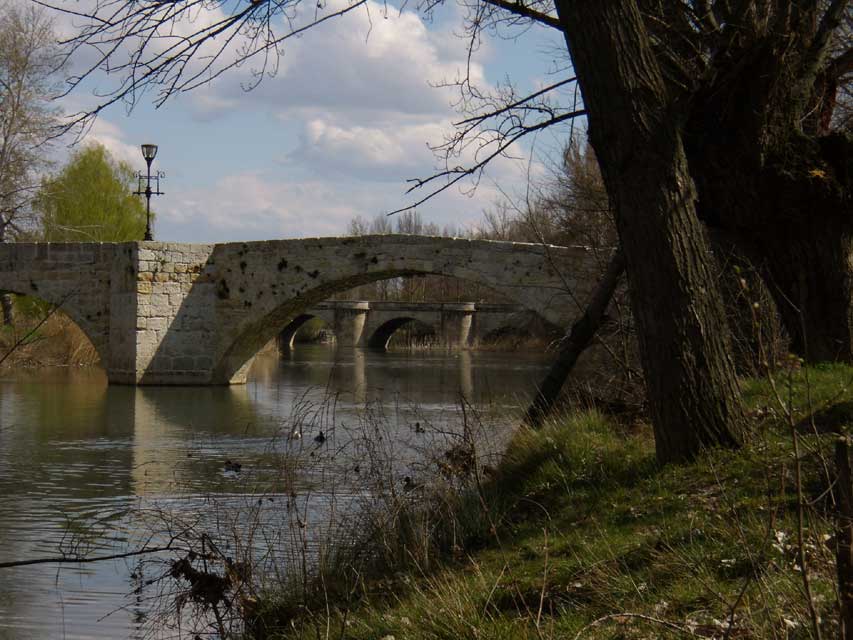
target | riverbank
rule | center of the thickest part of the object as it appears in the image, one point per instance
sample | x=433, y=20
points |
x=580, y=534
x=58, y=342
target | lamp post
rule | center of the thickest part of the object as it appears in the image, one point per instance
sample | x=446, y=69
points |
x=148, y=152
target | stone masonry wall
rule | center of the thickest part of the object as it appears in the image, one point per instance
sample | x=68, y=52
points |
x=262, y=286
x=76, y=276
x=169, y=313
x=176, y=322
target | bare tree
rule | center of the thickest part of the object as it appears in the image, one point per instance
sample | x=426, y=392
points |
x=28, y=63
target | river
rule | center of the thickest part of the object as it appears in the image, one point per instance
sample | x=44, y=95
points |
x=77, y=456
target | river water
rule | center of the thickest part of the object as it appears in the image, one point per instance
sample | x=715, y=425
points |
x=78, y=457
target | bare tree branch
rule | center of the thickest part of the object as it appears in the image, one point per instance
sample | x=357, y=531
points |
x=458, y=173
x=65, y=559
x=525, y=11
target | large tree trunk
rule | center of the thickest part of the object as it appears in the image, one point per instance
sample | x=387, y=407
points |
x=691, y=382
x=807, y=269
x=791, y=214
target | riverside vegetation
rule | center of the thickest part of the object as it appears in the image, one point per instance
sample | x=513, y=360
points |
x=579, y=533
x=575, y=532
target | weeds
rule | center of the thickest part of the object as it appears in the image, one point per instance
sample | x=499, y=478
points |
x=578, y=533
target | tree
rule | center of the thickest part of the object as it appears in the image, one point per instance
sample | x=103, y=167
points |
x=706, y=108
x=91, y=200
x=691, y=382
x=29, y=62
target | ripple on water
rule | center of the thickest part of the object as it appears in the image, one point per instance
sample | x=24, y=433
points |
x=84, y=466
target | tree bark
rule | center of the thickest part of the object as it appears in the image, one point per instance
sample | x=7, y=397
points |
x=8, y=309
x=581, y=334
x=766, y=176
x=791, y=214
x=808, y=274
x=691, y=382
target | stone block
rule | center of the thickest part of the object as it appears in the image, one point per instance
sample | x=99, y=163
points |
x=160, y=300
x=157, y=323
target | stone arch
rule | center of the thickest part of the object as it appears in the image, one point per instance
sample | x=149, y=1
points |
x=94, y=326
x=74, y=276
x=288, y=334
x=280, y=280
x=382, y=335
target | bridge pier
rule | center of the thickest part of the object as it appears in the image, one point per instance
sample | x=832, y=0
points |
x=456, y=321
x=349, y=323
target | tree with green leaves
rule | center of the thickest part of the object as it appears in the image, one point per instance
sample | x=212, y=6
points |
x=91, y=200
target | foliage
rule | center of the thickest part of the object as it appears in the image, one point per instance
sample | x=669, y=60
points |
x=91, y=200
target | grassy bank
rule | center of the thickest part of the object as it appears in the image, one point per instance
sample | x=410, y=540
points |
x=580, y=534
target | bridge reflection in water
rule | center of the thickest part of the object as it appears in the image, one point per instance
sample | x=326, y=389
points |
x=80, y=453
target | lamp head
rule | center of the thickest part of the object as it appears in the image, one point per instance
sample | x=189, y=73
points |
x=148, y=152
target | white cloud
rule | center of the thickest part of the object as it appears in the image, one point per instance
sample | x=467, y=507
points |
x=111, y=136
x=394, y=152
x=369, y=64
x=255, y=206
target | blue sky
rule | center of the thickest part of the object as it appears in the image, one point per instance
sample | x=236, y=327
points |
x=334, y=134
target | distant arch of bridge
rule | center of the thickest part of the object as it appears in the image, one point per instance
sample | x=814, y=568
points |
x=372, y=324
x=174, y=313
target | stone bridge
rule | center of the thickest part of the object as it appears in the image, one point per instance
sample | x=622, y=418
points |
x=182, y=314
x=371, y=324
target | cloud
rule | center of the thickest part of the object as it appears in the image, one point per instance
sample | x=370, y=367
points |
x=111, y=137
x=335, y=134
x=259, y=204
x=254, y=205
x=371, y=64
x=395, y=152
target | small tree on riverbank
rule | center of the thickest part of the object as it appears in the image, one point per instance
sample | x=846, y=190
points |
x=91, y=200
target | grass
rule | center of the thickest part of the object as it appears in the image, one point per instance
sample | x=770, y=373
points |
x=580, y=534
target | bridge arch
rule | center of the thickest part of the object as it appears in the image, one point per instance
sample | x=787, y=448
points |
x=382, y=335
x=94, y=331
x=279, y=280
x=287, y=335
x=75, y=278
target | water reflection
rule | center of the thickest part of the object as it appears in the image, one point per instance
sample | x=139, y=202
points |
x=76, y=455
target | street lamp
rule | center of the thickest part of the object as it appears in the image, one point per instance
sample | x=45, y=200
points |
x=148, y=152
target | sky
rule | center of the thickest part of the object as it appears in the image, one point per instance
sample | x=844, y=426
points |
x=335, y=134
